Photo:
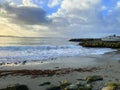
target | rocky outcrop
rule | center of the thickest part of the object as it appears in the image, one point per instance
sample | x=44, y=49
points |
x=97, y=43
x=103, y=44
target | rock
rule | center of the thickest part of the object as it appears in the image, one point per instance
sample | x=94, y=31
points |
x=108, y=88
x=21, y=87
x=2, y=63
x=64, y=84
x=45, y=83
x=81, y=79
x=112, y=86
x=85, y=87
x=88, y=87
x=91, y=79
x=24, y=62
x=17, y=87
x=15, y=63
x=71, y=87
x=54, y=88
x=79, y=84
x=81, y=88
x=56, y=67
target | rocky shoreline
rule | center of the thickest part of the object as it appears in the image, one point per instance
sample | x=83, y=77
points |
x=97, y=43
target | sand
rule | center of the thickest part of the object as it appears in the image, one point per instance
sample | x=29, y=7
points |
x=108, y=64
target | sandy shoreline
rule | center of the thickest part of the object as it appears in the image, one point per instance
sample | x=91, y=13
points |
x=109, y=70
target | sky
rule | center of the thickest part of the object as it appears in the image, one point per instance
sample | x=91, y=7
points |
x=59, y=18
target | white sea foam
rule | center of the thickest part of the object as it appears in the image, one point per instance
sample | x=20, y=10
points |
x=13, y=54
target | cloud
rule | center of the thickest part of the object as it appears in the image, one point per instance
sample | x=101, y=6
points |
x=53, y=3
x=24, y=19
x=74, y=18
x=25, y=15
x=28, y=3
x=84, y=18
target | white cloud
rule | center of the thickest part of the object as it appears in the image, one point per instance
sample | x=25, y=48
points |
x=118, y=4
x=103, y=8
x=28, y=3
x=17, y=3
x=53, y=3
x=78, y=4
x=83, y=18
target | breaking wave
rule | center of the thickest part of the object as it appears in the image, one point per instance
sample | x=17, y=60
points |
x=11, y=54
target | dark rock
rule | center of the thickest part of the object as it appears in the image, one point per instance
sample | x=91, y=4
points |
x=2, y=63
x=24, y=62
x=91, y=79
x=15, y=63
x=81, y=79
x=17, y=87
x=64, y=84
x=54, y=88
x=45, y=83
x=56, y=67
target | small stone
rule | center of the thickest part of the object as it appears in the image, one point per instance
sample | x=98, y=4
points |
x=112, y=86
x=17, y=87
x=64, y=84
x=71, y=87
x=24, y=62
x=108, y=88
x=79, y=84
x=91, y=79
x=45, y=83
x=2, y=63
x=54, y=88
x=15, y=63
x=56, y=67
x=88, y=87
x=81, y=88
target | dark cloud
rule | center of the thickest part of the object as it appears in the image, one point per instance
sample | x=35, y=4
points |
x=26, y=15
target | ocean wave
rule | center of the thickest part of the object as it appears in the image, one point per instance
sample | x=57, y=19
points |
x=13, y=54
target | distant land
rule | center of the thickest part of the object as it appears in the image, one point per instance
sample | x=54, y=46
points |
x=8, y=36
x=14, y=36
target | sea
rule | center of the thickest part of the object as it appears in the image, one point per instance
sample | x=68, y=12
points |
x=27, y=49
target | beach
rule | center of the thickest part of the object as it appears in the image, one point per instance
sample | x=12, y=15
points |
x=106, y=66
x=59, y=44
x=40, y=63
